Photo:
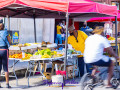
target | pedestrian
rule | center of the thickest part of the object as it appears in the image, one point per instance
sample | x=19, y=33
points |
x=77, y=40
x=63, y=31
x=58, y=39
x=4, y=44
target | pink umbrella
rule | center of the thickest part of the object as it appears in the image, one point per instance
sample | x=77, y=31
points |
x=104, y=19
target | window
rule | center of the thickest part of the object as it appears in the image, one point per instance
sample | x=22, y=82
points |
x=116, y=4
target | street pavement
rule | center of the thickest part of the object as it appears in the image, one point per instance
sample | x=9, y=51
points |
x=35, y=83
x=19, y=65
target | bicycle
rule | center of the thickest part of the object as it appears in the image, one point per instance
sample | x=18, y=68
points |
x=88, y=82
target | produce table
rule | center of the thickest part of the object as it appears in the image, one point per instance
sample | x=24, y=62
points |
x=31, y=63
x=118, y=44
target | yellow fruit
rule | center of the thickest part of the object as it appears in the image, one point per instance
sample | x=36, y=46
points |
x=10, y=56
x=111, y=38
x=27, y=44
x=46, y=56
x=27, y=56
x=59, y=55
x=55, y=52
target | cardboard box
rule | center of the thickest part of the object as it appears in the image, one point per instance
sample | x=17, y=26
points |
x=24, y=51
x=31, y=50
x=11, y=52
x=18, y=51
x=70, y=75
x=69, y=69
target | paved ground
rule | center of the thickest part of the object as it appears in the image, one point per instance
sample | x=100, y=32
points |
x=19, y=65
x=35, y=83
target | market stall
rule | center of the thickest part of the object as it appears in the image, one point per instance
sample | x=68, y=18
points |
x=32, y=53
x=55, y=9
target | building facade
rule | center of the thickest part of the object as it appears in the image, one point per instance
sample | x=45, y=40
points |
x=111, y=2
x=25, y=26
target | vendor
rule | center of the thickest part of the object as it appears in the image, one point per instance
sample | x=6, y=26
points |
x=4, y=43
x=77, y=40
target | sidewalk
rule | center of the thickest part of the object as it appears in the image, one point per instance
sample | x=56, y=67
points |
x=35, y=85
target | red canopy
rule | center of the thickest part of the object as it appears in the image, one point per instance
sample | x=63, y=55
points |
x=104, y=19
x=55, y=8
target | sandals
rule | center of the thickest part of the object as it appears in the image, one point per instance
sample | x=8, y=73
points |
x=109, y=87
x=113, y=87
x=8, y=86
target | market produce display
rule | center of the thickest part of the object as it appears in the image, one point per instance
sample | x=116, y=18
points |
x=35, y=51
x=27, y=56
x=47, y=53
x=20, y=56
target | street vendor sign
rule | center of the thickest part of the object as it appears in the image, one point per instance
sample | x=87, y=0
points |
x=14, y=35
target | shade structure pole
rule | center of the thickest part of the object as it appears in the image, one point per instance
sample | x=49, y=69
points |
x=4, y=20
x=67, y=23
x=8, y=18
x=73, y=22
x=116, y=47
x=9, y=23
x=34, y=29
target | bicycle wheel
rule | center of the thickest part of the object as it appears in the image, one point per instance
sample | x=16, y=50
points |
x=85, y=81
x=115, y=83
x=115, y=79
x=116, y=74
x=88, y=87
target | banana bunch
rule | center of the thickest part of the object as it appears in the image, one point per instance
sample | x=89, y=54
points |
x=111, y=38
x=46, y=56
x=36, y=43
x=27, y=56
x=40, y=52
x=57, y=55
x=53, y=53
x=27, y=44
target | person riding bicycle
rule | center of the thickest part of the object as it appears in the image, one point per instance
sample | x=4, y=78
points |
x=93, y=53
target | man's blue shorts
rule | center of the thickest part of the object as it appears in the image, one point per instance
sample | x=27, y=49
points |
x=102, y=63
